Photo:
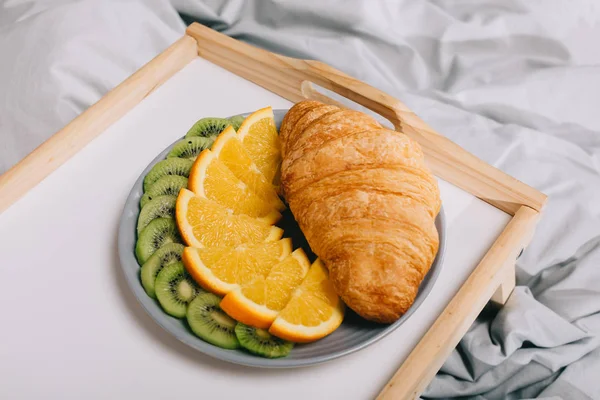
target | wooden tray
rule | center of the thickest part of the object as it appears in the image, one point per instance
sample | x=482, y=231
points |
x=497, y=237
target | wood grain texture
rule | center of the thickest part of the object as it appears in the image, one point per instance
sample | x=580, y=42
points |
x=291, y=79
x=83, y=129
x=288, y=77
x=434, y=348
x=508, y=282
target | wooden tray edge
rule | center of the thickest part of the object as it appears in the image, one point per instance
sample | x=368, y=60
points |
x=65, y=143
x=435, y=346
x=291, y=78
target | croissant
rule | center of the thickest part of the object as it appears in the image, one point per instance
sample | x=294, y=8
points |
x=366, y=203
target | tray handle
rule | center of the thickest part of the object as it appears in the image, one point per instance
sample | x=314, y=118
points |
x=291, y=78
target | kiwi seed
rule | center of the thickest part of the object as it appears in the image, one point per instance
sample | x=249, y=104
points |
x=169, y=185
x=158, y=207
x=168, y=254
x=210, y=323
x=158, y=233
x=207, y=127
x=170, y=166
x=190, y=148
x=260, y=342
x=175, y=289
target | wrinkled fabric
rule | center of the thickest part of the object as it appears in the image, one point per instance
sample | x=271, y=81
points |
x=515, y=82
x=59, y=57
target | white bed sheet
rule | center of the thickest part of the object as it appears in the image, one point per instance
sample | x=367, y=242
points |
x=515, y=82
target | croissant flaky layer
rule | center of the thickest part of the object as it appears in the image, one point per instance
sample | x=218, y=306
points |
x=365, y=202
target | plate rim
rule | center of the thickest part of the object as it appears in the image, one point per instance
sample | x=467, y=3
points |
x=127, y=256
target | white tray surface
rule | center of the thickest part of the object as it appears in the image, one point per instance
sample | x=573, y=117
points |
x=72, y=329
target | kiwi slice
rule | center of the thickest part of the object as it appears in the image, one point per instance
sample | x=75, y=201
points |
x=207, y=127
x=169, y=185
x=189, y=148
x=175, y=289
x=261, y=342
x=158, y=207
x=236, y=121
x=158, y=233
x=210, y=323
x=170, y=166
x=168, y=254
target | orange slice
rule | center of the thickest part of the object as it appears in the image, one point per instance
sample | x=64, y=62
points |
x=313, y=312
x=230, y=151
x=258, y=302
x=223, y=269
x=210, y=178
x=205, y=223
x=258, y=134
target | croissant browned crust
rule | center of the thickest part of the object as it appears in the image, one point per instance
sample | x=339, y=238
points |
x=366, y=203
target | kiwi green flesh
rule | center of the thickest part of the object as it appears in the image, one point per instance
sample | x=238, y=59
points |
x=207, y=127
x=170, y=166
x=190, y=148
x=223, y=319
x=236, y=121
x=144, y=200
x=158, y=207
x=262, y=343
x=169, y=185
x=168, y=254
x=175, y=289
x=210, y=323
x=158, y=233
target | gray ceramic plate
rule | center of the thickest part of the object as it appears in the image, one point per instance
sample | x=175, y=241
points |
x=354, y=334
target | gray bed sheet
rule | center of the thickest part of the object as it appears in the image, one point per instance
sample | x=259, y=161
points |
x=515, y=82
